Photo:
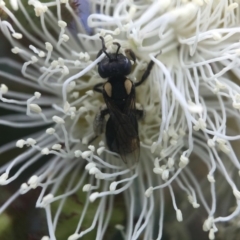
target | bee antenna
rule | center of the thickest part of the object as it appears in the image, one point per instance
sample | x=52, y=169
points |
x=115, y=43
x=104, y=47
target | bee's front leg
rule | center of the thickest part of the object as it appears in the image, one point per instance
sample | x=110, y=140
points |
x=147, y=72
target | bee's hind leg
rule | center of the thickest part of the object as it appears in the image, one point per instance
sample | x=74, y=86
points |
x=99, y=123
x=139, y=111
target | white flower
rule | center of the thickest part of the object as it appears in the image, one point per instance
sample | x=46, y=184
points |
x=191, y=100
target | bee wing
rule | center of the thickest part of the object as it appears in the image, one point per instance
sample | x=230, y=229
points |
x=126, y=141
x=123, y=126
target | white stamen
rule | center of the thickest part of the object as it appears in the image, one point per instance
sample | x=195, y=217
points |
x=236, y=194
x=62, y=24
x=45, y=238
x=65, y=37
x=39, y=7
x=232, y=6
x=100, y=150
x=41, y=54
x=20, y=143
x=94, y=170
x=15, y=50
x=47, y=199
x=65, y=70
x=211, y=234
x=33, y=182
x=119, y=227
x=149, y=192
x=2, y=3
x=37, y=95
x=153, y=147
x=3, y=178
x=50, y=131
x=216, y=36
x=75, y=236
x=45, y=151
x=91, y=147
x=35, y=108
x=58, y=120
x=179, y=215
x=86, y=188
x=211, y=143
x=210, y=178
x=34, y=59
x=183, y=161
x=158, y=170
x=86, y=154
x=78, y=153
x=57, y=147
x=207, y=224
x=195, y=205
x=17, y=35
x=3, y=89
x=24, y=188
x=66, y=107
x=165, y=175
x=90, y=165
x=170, y=162
x=113, y=186
x=31, y=141
x=89, y=93
x=49, y=46
x=93, y=196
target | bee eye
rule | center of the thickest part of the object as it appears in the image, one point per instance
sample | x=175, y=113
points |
x=103, y=71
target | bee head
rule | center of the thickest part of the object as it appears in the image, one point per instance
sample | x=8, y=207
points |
x=114, y=64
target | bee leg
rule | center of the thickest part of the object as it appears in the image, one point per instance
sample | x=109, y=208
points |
x=99, y=124
x=139, y=111
x=99, y=121
x=130, y=54
x=99, y=53
x=140, y=114
x=92, y=139
x=98, y=88
x=146, y=73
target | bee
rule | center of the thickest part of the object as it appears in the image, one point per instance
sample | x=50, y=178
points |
x=121, y=128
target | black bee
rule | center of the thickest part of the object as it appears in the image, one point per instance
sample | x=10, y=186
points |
x=119, y=95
